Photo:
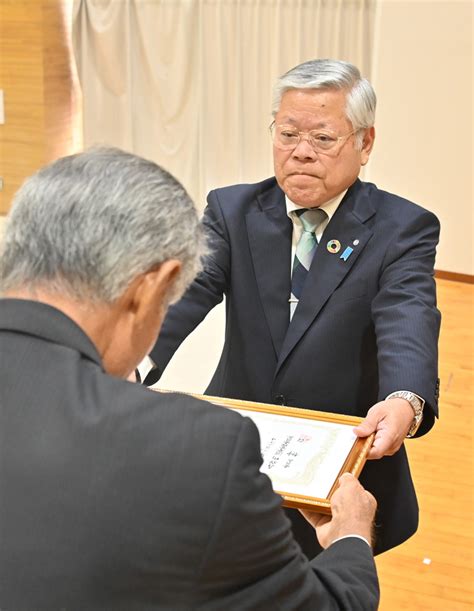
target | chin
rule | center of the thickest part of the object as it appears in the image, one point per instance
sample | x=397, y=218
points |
x=305, y=195
x=307, y=199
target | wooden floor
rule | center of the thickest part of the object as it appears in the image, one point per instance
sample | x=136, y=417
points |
x=434, y=569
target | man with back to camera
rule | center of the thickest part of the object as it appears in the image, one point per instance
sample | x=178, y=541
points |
x=114, y=496
x=330, y=297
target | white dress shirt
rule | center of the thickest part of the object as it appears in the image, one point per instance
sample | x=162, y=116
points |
x=329, y=208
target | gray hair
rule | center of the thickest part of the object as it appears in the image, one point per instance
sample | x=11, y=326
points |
x=332, y=74
x=88, y=224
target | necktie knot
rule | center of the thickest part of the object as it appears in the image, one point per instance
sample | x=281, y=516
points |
x=311, y=218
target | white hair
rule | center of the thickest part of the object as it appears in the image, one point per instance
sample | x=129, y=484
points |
x=88, y=224
x=332, y=74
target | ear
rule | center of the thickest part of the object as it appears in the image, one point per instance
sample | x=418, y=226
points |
x=367, y=145
x=149, y=292
x=135, y=319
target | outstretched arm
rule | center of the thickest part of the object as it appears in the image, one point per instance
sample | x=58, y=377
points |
x=407, y=326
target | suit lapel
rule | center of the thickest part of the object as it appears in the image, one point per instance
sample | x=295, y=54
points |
x=269, y=232
x=328, y=269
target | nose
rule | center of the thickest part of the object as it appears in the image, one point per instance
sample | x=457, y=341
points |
x=303, y=149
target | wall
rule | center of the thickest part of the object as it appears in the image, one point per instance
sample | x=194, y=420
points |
x=423, y=76
x=42, y=118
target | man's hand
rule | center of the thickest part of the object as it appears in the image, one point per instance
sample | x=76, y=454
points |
x=390, y=420
x=353, y=511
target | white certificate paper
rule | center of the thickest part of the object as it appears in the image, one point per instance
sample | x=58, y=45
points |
x=304, y=451
x=301, y=456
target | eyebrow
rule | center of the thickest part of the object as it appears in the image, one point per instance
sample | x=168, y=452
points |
x=320, y=125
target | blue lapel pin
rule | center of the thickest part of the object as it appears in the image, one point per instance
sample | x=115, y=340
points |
x=347, y=253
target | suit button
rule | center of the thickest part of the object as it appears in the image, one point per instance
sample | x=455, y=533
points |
x=279, y=399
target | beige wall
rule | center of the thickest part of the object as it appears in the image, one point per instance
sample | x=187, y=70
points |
x=423, y=76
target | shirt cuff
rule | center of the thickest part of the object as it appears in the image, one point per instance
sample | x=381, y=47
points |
x=352, y=536
x=145, y=367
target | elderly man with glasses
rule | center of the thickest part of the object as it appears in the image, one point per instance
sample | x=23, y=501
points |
x=330, y=296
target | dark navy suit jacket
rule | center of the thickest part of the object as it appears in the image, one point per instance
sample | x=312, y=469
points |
x=118, y=498
x=366, y=325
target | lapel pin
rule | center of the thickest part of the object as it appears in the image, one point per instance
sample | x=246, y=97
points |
x=347, y=253
x=355, y=242
x=333, y=246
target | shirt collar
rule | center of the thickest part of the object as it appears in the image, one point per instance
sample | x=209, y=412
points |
x=329, y=207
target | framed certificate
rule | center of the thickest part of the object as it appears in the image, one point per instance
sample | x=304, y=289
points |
x=304, y=451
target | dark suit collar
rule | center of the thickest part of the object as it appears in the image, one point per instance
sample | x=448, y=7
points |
x=358, y=202
x=328, y=270
x=269, y=232
x=270, y=196
x=47, y=323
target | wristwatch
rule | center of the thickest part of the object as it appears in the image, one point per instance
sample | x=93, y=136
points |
x=417, y=405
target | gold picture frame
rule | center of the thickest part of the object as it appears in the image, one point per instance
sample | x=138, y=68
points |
x=342, y=450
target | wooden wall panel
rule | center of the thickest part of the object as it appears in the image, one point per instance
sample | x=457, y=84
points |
x=62, y=100
x=41, y=109
x=21, y=78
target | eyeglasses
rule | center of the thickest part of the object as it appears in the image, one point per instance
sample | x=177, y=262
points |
x=287, y=138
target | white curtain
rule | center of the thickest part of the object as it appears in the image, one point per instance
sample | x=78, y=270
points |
x=188, y=83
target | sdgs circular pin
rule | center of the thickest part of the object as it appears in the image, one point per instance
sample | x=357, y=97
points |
x=333, y=246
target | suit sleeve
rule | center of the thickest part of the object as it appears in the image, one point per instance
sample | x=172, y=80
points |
x=205, y=292
x=405, y=315
x=253, y=562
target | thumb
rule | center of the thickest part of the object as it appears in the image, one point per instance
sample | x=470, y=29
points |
x=346, y=478
x=367, y=426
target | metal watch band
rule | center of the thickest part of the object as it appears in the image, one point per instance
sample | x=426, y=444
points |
x=417, y=405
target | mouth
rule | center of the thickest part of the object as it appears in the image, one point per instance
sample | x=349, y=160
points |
x=303, y=174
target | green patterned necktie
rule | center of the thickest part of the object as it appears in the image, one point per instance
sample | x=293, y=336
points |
x=310, y=218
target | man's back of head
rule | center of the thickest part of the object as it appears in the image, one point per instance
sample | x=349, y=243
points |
x=87, y=224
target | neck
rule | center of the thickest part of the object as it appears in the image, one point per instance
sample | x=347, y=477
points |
x=96, y=320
